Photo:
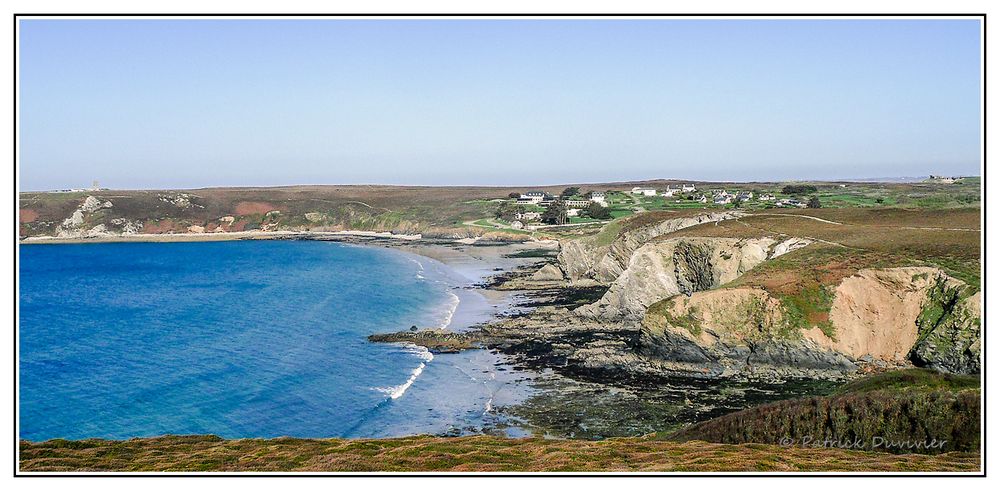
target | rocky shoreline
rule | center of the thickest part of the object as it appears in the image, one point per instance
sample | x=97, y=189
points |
x=550, y=336
x=649, y=310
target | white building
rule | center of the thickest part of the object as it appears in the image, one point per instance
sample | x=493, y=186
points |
x=573, y=212
x=789, y=203
x=598, y=197
x=667, y=193
x=766, y=197
x=529, y=216
x=532, y=197
x=577, y=203
x=688, y=188
x=723, y=197
x=644, y=191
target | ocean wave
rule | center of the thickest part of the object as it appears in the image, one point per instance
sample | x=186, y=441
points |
x=397, y=391
x=452, y=307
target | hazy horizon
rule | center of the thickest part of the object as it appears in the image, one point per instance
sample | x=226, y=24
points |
x=194, y=103
x=883, y=179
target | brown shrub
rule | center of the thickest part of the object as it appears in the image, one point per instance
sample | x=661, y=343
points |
x=27, y=215
x=254, y=207
x=899, y=416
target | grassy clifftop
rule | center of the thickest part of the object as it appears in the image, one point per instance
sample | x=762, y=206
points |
x=469, y=454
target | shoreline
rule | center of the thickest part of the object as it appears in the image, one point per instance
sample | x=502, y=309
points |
x=465, y=272
x=218, y=236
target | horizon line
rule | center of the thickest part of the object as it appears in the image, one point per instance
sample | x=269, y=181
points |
x=884, y=179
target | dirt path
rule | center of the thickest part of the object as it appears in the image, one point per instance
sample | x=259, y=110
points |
x=814, y=239
x=362, y=203
x=943, y=228
x=818, y=219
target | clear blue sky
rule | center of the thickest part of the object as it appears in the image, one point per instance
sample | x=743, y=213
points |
x=191, y=103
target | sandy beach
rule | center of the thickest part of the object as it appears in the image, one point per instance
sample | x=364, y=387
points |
x=470, y=266
x=216, y=236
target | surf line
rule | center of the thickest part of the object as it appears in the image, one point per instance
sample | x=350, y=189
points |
x=425, y=357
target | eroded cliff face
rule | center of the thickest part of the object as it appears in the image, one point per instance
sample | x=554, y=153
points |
x=920, y=315
x=591, y=259
x=892, y=316
x=874, y=313
x=736, y=332
x=662, y=269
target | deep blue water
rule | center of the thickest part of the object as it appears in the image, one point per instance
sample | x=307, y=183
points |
x=240, y=339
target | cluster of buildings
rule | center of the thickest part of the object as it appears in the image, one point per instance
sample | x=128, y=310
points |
x=714, y=196
x=543, y=199
x=94, y=187
x=668, y=192
x=723, y=197
x=944, y=179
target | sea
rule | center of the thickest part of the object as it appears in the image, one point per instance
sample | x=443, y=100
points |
x=248, y=339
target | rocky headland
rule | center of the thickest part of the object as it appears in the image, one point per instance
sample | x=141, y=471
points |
x=671, y=306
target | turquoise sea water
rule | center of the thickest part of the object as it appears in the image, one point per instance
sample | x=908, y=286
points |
x=241, y=339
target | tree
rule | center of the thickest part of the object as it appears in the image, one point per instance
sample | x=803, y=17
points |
x=797, y=189
x=570, y=191
x=598, y=212
x=507, y=211
x=814, y=202
x=514, y=195
x=555, y=214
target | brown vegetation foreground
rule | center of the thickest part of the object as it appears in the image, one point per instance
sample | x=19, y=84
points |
x=469, y=454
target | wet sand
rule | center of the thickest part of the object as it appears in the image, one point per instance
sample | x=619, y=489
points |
x=470, y=266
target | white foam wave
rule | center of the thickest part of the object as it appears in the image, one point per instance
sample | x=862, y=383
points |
x=397, y=391
x=450, y=310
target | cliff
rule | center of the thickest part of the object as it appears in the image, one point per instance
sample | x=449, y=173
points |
x=690, y=310
x=603, y=257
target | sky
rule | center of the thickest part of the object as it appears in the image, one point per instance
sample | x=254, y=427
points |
x=184, y=103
